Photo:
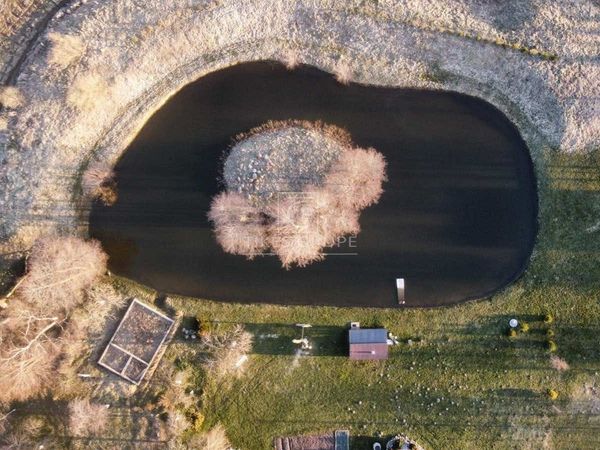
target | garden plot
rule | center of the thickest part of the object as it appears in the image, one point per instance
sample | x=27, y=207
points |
x=136, y=342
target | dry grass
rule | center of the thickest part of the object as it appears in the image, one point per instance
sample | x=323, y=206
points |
x=102, y=302
x=87, y=418
x=215, y=439
x=65, y=49
x=86, y=90
x=10, y=97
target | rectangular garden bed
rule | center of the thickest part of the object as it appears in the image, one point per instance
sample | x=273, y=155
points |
x=136, y=341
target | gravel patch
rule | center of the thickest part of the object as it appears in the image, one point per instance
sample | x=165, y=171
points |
x=279, y=160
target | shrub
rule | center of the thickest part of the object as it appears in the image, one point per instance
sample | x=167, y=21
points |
x=10, y=97
x=524, y=327
x=65, y=49
x=511, y=332
x=552, y=394
x=550, y=332
x=342, y=72
x=548, y=318
x=198, y=421
x=85, y=91
x=87, y=418
x=357, y=178
x=98, y=182
x=291, y=59
x=215, y=439
x=558, y=363
x=551, y=345
x=205, y=326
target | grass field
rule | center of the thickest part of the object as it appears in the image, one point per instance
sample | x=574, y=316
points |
x=461, y=383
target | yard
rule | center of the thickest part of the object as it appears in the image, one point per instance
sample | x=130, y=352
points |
x=460, y=382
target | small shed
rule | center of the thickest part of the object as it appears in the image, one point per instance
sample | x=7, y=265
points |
x=368, y=343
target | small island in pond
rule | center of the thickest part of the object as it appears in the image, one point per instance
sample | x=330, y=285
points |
x=292, y=189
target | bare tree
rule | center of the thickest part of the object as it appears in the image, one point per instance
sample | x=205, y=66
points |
x=87, y=418
x=223, y=353
x=27, y=352
x=357, y=178
x=60, y=268
x=98, y=182
x=238, y=225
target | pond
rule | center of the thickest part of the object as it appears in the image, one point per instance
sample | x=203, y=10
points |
x=457, y=219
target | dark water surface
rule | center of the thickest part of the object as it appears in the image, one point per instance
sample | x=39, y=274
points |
x=457, y=219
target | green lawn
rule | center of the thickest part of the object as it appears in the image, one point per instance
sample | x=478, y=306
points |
x=462, y=383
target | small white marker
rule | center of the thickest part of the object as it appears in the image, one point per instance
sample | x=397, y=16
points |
x=400, y=290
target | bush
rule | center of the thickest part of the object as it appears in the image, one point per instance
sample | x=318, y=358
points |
x=524, y=327
x=552, y=394
x=551, y=345
x=198, y=421
x=558, y=363
x=10, y=97
x=87, y=418
x=98, y=182
x=205, y=327
x=65, y=49
x=215, y=439
x=511, y=332
x=550, y=332
x=548, y=318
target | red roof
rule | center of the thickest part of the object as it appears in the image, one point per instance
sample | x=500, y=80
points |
x=368, y=351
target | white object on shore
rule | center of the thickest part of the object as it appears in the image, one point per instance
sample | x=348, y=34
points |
x=514, y=323
x=400, y=290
